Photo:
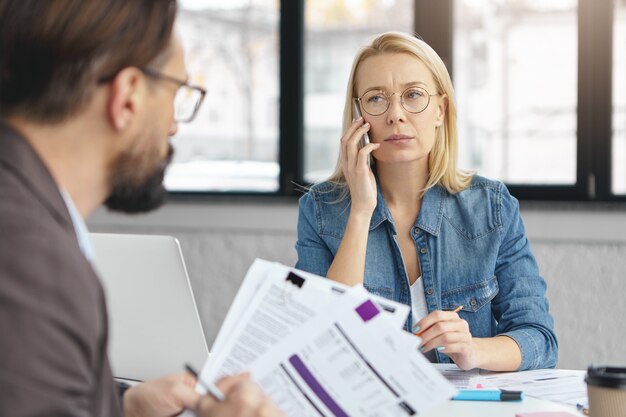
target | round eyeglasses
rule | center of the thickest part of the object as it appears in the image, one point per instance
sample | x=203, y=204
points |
x=413, y=100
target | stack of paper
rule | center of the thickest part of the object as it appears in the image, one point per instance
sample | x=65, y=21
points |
x=558, y=385
x=319, y=348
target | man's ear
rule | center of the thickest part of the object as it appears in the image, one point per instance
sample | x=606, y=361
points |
x=441, y=110
x=124, y=97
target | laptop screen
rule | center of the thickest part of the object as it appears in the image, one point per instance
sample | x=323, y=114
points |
x=154, y=323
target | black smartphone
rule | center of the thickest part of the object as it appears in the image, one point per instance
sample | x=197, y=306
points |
x=365, y=139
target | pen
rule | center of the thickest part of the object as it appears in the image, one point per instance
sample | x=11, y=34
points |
x=582, y=409
x=211, y=389
x=456, y=310
x=488, y=395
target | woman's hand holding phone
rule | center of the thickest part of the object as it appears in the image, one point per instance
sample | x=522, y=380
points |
x=365, y=139
x=356, y=170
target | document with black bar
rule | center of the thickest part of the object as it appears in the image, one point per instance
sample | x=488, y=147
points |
x=322, y=349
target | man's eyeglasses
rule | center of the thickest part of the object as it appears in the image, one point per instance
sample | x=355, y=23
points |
x=413, y=100
x=188, y=97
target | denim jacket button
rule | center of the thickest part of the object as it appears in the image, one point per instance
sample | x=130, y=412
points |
x=417, y=230
x=429, y=291
x=473, y=302
x=423, y=250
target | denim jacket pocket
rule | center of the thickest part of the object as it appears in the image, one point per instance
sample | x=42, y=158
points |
x=471, y=297
x=386, y=292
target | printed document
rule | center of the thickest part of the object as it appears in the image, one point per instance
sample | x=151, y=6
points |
x=319, y=348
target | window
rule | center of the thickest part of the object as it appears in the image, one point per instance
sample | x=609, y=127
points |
x=232, y=145
x=541, y=92
x=534, y=88
x=334, y=32
x=516, y=89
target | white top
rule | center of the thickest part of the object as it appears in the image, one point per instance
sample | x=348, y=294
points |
x=418, y=301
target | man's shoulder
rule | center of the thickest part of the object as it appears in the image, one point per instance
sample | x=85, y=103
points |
x=19, y=206
x=30, y=229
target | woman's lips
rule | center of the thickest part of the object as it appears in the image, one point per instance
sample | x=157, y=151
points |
x=398, y=139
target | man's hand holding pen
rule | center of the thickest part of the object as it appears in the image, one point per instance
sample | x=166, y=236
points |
x=242, y=397
x=233, y=396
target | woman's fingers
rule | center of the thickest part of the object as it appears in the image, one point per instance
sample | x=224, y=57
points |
x=350, y=143
x=364, y=154
x=349, y=133
x=432, y=319
x=441, y=327
x=448, y=341
x=356, y=171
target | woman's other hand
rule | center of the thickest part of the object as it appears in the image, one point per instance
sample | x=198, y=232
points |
x=448, y=333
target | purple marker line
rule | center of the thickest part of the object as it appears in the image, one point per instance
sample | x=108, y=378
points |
x=315, y=386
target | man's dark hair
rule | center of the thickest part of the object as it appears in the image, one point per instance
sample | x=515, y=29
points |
x=54, y=52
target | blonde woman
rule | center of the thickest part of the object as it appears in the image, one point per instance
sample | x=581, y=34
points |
x=412, y=227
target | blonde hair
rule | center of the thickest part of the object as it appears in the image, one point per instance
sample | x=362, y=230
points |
x=443, y=156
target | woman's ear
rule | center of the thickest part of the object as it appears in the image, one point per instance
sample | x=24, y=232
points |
x=124, y=98
x=442, y=106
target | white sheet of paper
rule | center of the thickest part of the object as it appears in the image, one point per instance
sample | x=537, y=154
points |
x=277, y=309
x=339, y=365
x=247, y=301
x=255, y=277
x=458, y=377
x=398, y=312
x=250, y=284
x=269, y=310
x=558, y=385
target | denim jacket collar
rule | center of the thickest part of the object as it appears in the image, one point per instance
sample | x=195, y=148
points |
x=430, y=215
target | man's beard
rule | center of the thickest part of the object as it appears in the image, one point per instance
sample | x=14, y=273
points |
x=137, y=195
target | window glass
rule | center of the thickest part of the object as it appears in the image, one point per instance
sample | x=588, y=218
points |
x=232, y=50
x=335, y=31
x=515, y=74
x=619, y=99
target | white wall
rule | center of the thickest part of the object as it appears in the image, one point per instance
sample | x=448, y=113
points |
x=581, y=252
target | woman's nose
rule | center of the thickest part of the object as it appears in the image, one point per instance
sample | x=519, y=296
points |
x=395, y=112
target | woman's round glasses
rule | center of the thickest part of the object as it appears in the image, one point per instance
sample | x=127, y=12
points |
x=413, y=100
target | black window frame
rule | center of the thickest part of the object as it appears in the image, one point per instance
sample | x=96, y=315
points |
x=434, y=20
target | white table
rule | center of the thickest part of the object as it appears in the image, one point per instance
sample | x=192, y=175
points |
x=496, y=408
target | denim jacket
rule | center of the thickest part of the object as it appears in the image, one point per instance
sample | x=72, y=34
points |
x=472, y=251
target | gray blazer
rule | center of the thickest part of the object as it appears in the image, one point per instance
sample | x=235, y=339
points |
x=53, y=320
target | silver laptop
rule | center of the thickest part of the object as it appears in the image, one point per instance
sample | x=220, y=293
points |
x=154, y=324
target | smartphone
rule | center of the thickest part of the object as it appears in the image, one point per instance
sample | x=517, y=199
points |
x=365, y=139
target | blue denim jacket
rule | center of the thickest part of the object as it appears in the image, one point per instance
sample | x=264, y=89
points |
x=472, y=250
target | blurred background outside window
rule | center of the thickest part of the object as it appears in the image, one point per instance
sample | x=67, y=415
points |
x=232, y=50
x=335, y=30
x=515, y=74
